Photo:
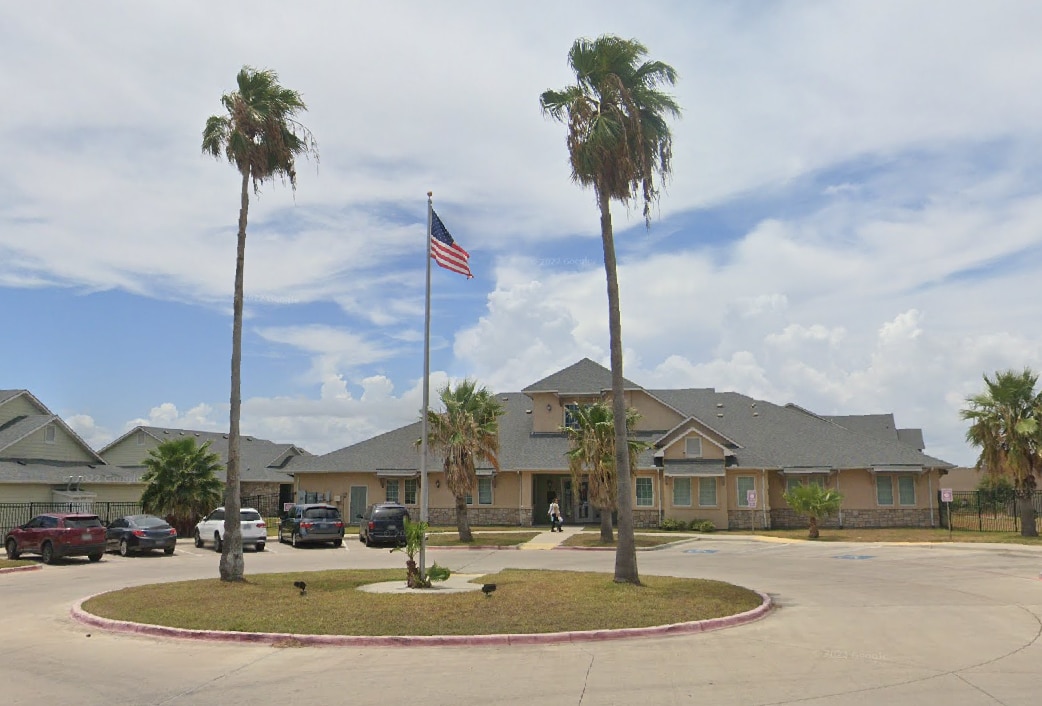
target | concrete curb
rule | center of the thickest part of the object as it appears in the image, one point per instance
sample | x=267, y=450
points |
x=12, y=569
x=292, y=640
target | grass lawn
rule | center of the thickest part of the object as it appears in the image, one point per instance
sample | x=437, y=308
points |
x=897, y=534
x=592, y=538
x=11, y=563
x=525, y=601
x=482, y=538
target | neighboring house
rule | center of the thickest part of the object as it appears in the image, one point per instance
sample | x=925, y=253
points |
x=713, y=455
x=42, y=460
x=963, y=478
x=262, y=462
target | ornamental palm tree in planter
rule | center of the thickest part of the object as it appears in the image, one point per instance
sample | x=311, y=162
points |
x=814, y=502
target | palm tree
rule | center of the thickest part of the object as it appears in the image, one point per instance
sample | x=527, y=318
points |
x=181, y=481
x=592, y=456
x=814, y=502
x=618, y=142
x=467, y=432
x=1004, y=423
x=261, y=137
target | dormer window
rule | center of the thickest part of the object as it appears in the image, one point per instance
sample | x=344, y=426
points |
x=48, y=434
x=693, y=447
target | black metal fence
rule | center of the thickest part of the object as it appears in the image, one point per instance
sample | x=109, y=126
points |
x=14, y=514
x=985, y=511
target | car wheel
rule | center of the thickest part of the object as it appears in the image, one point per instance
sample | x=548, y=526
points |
x=12, y=549
x=124, y=548
x=368, y=542
x=47, y=553
x=198, y=540
x=282, y=538
x=296, y=540
x=338, y=542
x=259, y=546
x=94, y=557
x=168, y=551
x=217, y=542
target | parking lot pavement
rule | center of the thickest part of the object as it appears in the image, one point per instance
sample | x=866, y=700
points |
x=856, y=624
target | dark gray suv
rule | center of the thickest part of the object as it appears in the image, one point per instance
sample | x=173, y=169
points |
x=312, y=524
x=383, y=523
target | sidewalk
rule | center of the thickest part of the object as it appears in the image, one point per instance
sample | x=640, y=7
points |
x=549, y=540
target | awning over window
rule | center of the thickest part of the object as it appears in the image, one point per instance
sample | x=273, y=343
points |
x=806, y=470
x=697, y=468
x=484, y=472
x=397, y=473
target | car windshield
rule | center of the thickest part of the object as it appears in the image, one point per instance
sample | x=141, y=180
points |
x=78, y=522
x=249, y=516
x=322, y=513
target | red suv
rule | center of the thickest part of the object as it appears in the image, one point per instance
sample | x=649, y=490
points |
x=54, y=535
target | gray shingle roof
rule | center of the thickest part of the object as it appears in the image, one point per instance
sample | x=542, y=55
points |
x=761, y=434
x=57, y=473
x=261, y=460
x=9, y=394
x=584, y=377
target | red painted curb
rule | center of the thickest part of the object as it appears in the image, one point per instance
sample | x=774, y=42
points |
x=290, y=639
x=12, y=569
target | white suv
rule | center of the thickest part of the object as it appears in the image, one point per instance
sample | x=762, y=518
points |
x=211, y=529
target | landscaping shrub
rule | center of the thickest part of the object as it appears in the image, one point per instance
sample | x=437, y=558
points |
x=702, y=526
x=671, y=525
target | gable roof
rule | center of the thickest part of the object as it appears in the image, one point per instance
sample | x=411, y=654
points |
x=583, y=378
x=260, y=459
x=19, y=428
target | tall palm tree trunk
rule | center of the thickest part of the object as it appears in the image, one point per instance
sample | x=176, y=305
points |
x=626, y=550
x=1026, y=509
x=606, y=530
x=232, y=565
x=463, y=520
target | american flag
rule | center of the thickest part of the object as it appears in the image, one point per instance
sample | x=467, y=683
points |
x=445, y=251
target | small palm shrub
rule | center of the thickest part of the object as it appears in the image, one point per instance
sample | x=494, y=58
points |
x=671, y=525
x=702, y=526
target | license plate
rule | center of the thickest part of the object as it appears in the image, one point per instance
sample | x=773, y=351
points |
x=394, y=528
x=86, y=537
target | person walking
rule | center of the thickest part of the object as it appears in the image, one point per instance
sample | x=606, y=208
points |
x=555, y=516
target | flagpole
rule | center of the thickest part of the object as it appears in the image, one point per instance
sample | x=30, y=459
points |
x=424, y=492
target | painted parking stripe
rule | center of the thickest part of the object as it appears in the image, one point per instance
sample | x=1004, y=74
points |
x=854, y=557
x=700, y=551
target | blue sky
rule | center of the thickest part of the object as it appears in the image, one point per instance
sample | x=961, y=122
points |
x=853, y=222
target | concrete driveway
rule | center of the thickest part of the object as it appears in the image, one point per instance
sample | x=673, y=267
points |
x=855, y=624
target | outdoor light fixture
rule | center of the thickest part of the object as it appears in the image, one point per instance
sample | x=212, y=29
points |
x=437, y=484
x=549, y=408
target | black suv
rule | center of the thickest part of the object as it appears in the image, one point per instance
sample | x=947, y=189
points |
x=383, y=523
x=312, y=523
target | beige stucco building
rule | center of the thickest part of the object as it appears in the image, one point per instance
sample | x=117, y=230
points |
x=718, y=456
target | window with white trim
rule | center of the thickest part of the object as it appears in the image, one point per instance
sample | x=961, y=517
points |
x=569, y=415
x=681, y=492
x=744, y=484
x=906, y=490
x=884, y=489
x=411, y=486
x=792, y=482
x=49, y=434
x=818, y=480
x=140, y=437
x=485, y=491
x=693, y=447
x=707, y=492
x=645, y=493
x=392, y=490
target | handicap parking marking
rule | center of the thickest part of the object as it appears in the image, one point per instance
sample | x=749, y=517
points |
x=854, y=557
x=701, y=551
